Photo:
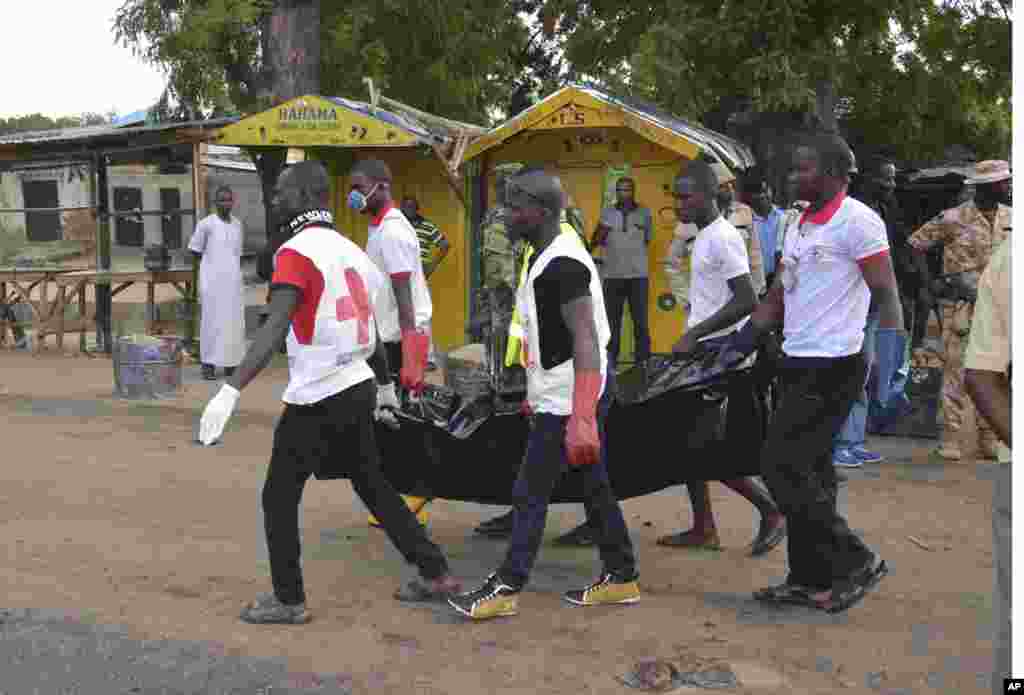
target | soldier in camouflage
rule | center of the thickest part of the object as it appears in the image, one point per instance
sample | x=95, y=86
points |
x=498, y=254
x=969, y=234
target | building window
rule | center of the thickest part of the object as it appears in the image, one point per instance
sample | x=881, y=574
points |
x=129, y=230
x=42, y=226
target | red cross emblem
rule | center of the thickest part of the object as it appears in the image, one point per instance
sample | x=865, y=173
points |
x=356, y=305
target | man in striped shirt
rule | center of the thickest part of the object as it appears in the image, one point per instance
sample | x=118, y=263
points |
x=431, y=238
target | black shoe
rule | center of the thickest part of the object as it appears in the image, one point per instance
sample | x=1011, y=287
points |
x=492, y=600
x=209, y=373
x=581, y=536
x=768, y=537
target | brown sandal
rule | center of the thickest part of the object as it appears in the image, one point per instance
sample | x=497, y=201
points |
x=690, y=539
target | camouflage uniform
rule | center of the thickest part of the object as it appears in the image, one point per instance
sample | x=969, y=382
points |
x=741, y=216
x=497, y=253
x=969, y=240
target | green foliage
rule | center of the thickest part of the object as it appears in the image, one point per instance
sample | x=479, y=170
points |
x=454, y=58
x=38, y=121
x=916, y=75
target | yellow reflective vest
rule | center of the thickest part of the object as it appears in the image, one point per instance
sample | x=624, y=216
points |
x=514, y=352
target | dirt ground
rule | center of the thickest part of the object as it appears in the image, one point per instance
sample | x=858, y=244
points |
x=110, y=513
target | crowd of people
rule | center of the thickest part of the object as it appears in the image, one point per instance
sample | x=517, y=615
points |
x=823, y=275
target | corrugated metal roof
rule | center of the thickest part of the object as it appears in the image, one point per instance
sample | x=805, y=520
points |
x=719, y=147
x=733, y=152
x=55, y=134
x=419, y=123
x=404, y=122
x=87, y=133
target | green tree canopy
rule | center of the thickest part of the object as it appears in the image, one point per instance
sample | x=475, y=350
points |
x=38, y=121
x=459, y=58
x=915, y=74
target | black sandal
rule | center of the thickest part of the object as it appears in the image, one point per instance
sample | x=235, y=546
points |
x=418, y=591
x=849, y=592
x=787, y=594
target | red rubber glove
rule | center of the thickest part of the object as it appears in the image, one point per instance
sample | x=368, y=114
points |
x=415, y=352
x=582, y=444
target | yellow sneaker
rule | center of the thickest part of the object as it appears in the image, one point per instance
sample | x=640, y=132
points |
x=609, y=590
x=492, y=600
x=417, y=505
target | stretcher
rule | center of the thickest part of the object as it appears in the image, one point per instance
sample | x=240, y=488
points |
x=671, y=422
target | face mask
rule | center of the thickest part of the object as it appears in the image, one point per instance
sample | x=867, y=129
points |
x=357, y=201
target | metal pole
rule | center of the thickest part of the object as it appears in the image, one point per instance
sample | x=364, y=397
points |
x=103, y=297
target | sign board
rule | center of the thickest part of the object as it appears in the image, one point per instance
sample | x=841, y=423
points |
x=313, y=121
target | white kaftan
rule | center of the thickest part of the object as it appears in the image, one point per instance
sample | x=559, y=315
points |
x=221, y=295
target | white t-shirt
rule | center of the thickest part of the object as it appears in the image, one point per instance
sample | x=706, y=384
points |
x=333, y=329
x=394, y=246
x=719, y=255
x=826, y=297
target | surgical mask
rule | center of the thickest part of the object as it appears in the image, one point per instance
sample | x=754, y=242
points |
x=357, y=201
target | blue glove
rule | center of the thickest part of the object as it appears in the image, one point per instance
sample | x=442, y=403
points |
x=739, y=345
x=890, y=349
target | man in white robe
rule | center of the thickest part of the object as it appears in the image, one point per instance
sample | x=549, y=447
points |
x=217, y=244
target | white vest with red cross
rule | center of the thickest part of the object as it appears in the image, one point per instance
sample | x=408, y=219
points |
x=332, y=356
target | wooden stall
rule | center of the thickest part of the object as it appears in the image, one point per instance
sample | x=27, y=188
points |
x=591, y=139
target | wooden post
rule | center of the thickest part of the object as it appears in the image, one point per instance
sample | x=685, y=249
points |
x=104, y=306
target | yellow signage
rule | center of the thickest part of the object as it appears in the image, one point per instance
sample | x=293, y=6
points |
x=575, y=116
x=313, y=121
x=573, y=108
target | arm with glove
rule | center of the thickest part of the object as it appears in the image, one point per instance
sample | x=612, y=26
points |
x=582, y=442
x=888, y=403
x=387, y=397
x=283, y=301
x=415, y=342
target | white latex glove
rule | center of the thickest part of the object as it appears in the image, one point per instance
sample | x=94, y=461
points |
x=216, y=415
x=387, y=404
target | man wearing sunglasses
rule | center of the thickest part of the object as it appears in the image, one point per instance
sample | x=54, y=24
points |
x=567, y=334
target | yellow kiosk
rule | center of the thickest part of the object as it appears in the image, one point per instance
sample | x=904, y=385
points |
x=591, y=139
x=423, y=152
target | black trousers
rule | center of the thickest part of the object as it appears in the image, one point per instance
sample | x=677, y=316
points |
x=334, y=438
x=394, y=353
x=797, y=466
x=616, y=293
x=544, y=463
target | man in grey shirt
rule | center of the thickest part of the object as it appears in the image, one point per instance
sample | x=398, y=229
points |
x=625, y=232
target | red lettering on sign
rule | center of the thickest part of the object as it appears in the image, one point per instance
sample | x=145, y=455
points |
x=356, y=305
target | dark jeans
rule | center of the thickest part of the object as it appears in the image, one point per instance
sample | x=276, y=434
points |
x=394, y=353
x=616, y=293
x=334, y=438
x=797, y=466
x=544, y=463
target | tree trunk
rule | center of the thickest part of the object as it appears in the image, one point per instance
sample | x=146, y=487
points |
x=293, y=64
x=825, y=105
x=294, y=49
